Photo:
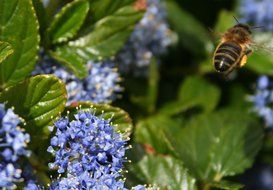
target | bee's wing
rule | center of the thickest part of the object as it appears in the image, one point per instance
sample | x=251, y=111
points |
x=214, y=35
x=262, y=48
x=262, y=43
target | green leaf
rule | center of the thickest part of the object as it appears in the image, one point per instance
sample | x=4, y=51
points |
x=200, y=92
x=192, y=35
x=75, y=63
x=219, y=144
x=38, y=100
x=226, y=185
x=237, y=98
x=41, y=15
x=19, y=27
x=151, y=131
x=193, y=92
x=107, y=37
x=103, y=8
x=261, y=63
x=5, y=50
x=119, y=118
x=206, y=66
x=225, y=21
x=166, y=172
x=68, y=21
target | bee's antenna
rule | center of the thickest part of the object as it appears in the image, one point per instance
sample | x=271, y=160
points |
x=236, y=19
x=255, y=27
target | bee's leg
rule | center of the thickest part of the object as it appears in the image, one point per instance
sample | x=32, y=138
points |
x=243, y=61
x=227, y=73
x=248, y=52
x=244, y=58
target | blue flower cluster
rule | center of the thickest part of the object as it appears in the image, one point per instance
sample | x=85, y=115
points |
x=263, y=99
x=89, y=152
x=13, y=144
x=31, y=185
x=100, y=86
x=150, y=38
x=257, y=13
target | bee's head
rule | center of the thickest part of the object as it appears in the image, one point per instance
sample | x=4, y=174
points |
x=244, y=27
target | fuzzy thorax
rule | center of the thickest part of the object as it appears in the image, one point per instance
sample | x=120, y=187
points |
x=238, y=35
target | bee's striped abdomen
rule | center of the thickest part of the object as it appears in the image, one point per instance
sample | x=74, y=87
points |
x=227, y=54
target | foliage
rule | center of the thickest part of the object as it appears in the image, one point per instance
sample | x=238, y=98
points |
x=190, y=128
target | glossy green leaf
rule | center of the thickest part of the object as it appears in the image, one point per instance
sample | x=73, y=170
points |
x=68, y=21
x=193, y=92
x=119, y=118
x=41, y=15
x=73, y=62
x=38, y=100
x=102, y=8
x=19, y=27
x=107, y=37
x=166, y=172
x=151, y=131
x=216, y=145
x=5, y=50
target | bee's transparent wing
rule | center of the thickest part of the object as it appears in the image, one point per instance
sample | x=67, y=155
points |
x=261, y=48
x=262, y=43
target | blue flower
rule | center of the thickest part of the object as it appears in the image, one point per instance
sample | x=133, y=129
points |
x=31, y=185
x=13, y=145
x=100, y=86
x=13, y=141
x=150, y=38
x=263, y=82
x=144, y=187
x=263, y=99
x=257, y=13
x=89, y=152
x=86, y=181
x=139, y=187
x=9, y=175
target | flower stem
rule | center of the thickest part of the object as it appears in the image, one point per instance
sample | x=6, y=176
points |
x=153, y=85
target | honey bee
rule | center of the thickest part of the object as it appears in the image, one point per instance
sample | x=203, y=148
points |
x=233, y=50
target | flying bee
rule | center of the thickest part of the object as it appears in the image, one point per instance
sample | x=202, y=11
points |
x=233, y=50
